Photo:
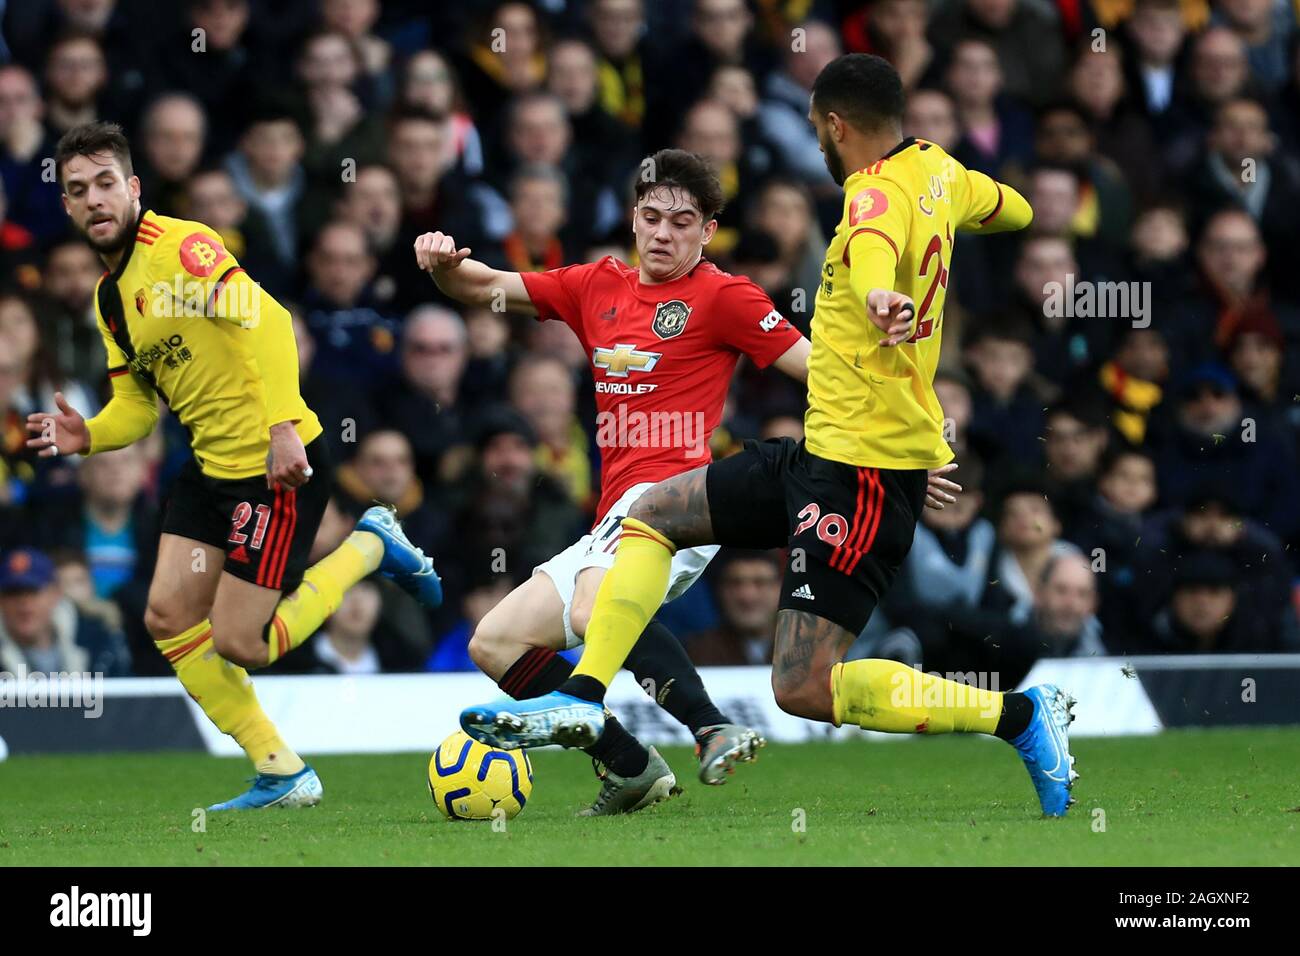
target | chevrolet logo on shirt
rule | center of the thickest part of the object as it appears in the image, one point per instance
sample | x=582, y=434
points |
x=621, y=359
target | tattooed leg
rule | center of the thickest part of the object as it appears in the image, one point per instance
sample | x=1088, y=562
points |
x=678, y=508
x=807, y=646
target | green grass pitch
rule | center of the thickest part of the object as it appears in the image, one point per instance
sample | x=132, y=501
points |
x=1224, y=797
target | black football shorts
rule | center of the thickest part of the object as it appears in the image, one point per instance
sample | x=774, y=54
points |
x=847, y=528
x=267, y=534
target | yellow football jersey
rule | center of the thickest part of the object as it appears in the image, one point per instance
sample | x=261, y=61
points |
x=867, y=405
x=181, y=320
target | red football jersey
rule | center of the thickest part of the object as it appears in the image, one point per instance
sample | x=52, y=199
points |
x=662, y=356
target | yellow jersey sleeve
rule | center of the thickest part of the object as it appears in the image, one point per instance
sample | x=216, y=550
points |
x=196, y=255
x=988, y=205
x=876, y=219
x=132, y=411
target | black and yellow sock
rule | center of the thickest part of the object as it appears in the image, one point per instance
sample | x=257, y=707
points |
x=225, y=692
x=299, y=615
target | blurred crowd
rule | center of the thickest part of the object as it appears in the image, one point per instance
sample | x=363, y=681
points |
x=1126, y=462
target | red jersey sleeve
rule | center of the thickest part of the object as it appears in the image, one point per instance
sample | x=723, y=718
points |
x=558, y=293
x=751, y=324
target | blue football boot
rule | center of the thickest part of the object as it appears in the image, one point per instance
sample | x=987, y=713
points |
x=553, y=718
x=1045, y=748
x=302, y=789
x=403, y=563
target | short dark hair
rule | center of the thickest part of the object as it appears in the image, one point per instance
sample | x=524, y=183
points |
x=90, y=138
x=864, y=89
x=690, y=172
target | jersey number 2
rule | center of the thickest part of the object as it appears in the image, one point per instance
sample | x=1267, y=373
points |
x=924, y=321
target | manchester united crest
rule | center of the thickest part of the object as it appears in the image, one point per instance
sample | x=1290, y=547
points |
x=670, y=318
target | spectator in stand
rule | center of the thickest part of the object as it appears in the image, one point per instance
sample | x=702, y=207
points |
x=267, y=170
x=1207, y=614
x=1213, y=438
x=1157, y=31
x=112, y=522
x=931, y=115
x=721, y=33
x=506, y=58
x=1062, y=623
x=355, y=20
x=783, y=113
x=434, y=197
x=618, y=30
x=1242, y=169
x=425, y=404
x=346, y=642
x=1218, y=71
x=356, y=341
x=1075, y=439
x=343, y=130
x=1122, y=133
x=35, y=202
x=538, y=199
x=1110, y=529
x=72, y=270
x=508, y=516
x=212, y=199
x=542, y=390
x=574, y=77
x=1065, y=345
x=747, y=587
x=1029, y=536
x=1266, y=27
x=1133, y=382
x=75, y=75
x=1211, y=520
x=38, y=372
x=1064, y=136
x=383, y=470
x=711, y=130
x=996, y=130
x=374, y=202
x=539, y=133
x=1026, y=39
x=897, y=31
x=784, y=210
x=41, y=632
x=1256, y=353
x=1008, y=412
x=217, y=71
x=174, y=131
x=429, y=84
x=953, y=389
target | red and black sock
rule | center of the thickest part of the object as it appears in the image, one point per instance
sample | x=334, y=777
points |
x=539, y=671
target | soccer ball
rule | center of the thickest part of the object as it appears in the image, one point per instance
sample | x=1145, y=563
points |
x=470, y=780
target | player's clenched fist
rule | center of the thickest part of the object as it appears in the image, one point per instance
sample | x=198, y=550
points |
x=436, y=250
x=893, y=313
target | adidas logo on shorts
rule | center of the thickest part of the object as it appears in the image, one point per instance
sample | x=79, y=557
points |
x=803, y=591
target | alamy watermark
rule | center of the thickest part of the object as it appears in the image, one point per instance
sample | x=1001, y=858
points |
x=61, y=689
x=1098, y=300
x=634, y=429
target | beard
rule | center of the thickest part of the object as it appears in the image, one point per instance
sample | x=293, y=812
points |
x=834, y=164
x=112, y=244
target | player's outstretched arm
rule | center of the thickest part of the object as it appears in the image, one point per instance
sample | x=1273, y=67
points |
x=468, y=280
x=129, y=416
x=993, y=206
x=794, y=360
